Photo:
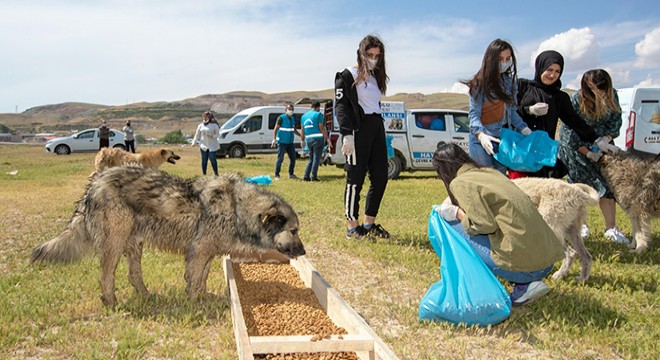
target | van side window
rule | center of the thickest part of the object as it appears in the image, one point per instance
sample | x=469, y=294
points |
x=461, y=123
x=431, y=121
x=250, y=125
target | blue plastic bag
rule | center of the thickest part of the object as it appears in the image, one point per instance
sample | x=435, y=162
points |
x=390, y=148
x=260, y=180
x=467, y=292
x=526, y=153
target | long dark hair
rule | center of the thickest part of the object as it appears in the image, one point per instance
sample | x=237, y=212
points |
x=596, y=104
x=487, y=79
x=447, y=159
x=372, y=41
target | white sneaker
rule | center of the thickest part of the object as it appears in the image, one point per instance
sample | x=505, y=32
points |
x=615, y=235
x=584, y=232
x=526, y=293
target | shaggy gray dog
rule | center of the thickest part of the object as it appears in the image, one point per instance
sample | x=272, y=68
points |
x=635, y=183
x=126, y=207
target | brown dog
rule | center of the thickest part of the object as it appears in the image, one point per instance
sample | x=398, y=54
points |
x=129, y=207
x=635, y=183
x=112, y=157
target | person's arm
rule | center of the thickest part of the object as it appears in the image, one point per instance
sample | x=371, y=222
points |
x=475, y=213
x=613, y=122
x=196, y=137
x=572, y=120
x=474, y=114
x=343, y=108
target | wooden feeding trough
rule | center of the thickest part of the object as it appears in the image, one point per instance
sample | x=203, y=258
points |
x=359, y=340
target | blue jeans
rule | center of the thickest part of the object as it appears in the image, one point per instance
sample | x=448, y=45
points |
x=289, y=149
x=481, y=245
x=315, y=146
x=206, y=156
x=478, y=154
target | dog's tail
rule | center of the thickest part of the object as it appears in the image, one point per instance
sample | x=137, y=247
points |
x=69, y=246
x=591, y=196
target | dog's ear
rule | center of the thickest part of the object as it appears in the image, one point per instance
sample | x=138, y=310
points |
x=273, y=223
x=163, y=152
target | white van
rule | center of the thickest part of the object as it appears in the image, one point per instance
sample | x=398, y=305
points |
x=640, y=129
x=251, y=131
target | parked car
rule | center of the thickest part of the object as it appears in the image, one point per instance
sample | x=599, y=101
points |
x=640, y=128
x=84, y=141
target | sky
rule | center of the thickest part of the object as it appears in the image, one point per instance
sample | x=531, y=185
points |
x=117, y=52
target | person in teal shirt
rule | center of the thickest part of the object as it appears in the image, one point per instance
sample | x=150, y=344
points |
x=315, y=136
x=283, y=135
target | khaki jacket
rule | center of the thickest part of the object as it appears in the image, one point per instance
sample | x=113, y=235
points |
x=520, y=240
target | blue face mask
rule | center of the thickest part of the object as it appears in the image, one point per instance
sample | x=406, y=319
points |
x=505, y=65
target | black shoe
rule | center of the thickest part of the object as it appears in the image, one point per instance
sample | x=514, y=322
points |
x=377, y=230
x=307, y=179
x=358, y=233
x=315, y=179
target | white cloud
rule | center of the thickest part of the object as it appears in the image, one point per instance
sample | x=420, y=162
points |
x=648, y=82
x=578, y=46
x=458, y=88
x=648, y=50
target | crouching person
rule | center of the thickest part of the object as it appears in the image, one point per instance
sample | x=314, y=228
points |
x=499, y=221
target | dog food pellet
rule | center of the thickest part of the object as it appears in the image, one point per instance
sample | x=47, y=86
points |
x=276, y=302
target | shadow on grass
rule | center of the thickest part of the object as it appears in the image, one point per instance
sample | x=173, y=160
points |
x=175, y=306
x=570, y=312
x=608, y=252
x=419, y=241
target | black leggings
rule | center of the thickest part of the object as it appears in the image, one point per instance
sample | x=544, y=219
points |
x=370, y=155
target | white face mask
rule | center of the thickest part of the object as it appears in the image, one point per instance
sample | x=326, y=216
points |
x=371, y=64
x=289, y=112
x=505, y=65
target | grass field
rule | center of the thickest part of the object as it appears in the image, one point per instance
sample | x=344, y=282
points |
x=54, y=311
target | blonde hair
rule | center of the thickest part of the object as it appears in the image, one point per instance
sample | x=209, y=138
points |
x=597, y=95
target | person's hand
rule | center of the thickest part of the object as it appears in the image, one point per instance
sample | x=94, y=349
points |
x=348, y=145
x=603, y=141
x=609, y=148
x=447, y=211
x=539, y=109
x=526, y=131
x=273, y=143
x=487, y=142
x=594, y=156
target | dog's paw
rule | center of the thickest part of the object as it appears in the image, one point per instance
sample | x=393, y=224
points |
x=581, y=278
x=559, y=275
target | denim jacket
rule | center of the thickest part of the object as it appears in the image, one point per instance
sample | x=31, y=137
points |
x=493, y=129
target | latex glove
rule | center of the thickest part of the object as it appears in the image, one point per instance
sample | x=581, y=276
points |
x=602, y=141
x=487, y=142
x=594, y=156
x=447, y=211
x=273, y=144
x=348, y=145
x=526, y=131
x=609, y=148
x=539, y=109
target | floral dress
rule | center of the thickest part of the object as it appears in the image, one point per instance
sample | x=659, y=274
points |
x=580, y=168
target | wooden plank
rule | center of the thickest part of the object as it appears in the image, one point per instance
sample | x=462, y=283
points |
x=337, y=309
x=297, y=344
x=243, y=347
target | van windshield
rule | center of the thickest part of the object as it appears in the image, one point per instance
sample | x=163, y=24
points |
x=235, y=120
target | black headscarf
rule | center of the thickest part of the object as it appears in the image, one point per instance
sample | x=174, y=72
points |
x=543, y=62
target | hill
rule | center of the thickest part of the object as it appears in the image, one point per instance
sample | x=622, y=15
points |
x=158, y=117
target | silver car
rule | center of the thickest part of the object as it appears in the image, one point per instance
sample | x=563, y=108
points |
x=84, y=141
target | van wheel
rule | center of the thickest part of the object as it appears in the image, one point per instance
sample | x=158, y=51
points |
x=237, y=151
x=394, y=167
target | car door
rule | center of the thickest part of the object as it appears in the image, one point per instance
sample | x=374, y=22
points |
x=428, y=129
x=87, y=140
x=460, y=129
